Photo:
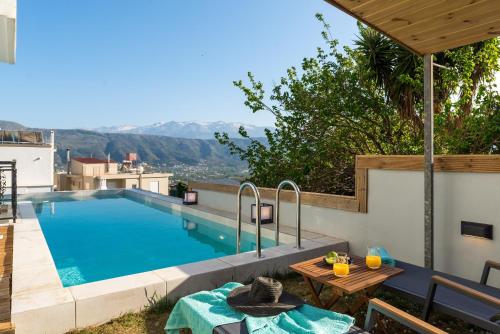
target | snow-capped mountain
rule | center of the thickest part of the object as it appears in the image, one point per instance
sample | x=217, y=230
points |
x=196, y=130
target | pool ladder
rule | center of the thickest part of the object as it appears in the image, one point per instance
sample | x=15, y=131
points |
x=256, y=194
x=257, y=216
x=297, y=212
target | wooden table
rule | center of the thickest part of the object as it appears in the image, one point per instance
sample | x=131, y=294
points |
x=361, y=279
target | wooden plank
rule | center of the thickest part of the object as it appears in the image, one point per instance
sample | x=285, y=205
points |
x=445, y=22
x=460, y=36
x=394, y=162
x=348, y=203
x=370, y=8
x=5, y=309
x=362, y=189
x=6, y=261
x=442, y=163
x=344, y=8
x=399, y=14
x=418, y=20
x=427, y=26
x=359, y=202
x=6, y=325
x=5, y=270
x=394, y=312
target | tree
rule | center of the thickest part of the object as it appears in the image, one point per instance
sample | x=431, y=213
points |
x=398, y=72
x=340, y=104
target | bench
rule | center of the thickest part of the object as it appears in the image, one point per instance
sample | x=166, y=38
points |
x=473, y=302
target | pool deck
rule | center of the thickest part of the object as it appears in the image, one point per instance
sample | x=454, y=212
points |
x=40, y=304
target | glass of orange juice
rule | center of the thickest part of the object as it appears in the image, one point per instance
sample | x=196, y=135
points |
x=341, y=265
x=373, y=259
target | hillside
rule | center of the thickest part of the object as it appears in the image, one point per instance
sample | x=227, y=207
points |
x=7, y=125
x=153, y=149
x=150, y=148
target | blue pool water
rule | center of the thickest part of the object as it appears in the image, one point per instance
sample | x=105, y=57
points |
x=96, y=239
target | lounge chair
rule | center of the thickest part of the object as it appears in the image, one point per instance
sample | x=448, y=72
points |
x=375, y=307
x=475, y=303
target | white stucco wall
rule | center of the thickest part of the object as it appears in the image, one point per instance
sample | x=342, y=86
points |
x=35, y=166
x=8, y=11
x=395, y=218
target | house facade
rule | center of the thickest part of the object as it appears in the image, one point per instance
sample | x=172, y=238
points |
x=34, y=159
x=93, y=174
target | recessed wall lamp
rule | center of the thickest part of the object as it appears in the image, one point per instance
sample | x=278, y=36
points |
x=478, y=230
x=266, y=213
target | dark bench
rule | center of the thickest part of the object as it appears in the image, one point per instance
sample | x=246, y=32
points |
x=475, y=303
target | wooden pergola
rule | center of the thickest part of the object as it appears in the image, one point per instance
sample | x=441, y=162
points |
x=426, y=27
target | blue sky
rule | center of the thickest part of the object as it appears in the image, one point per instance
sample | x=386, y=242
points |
x=90, y=63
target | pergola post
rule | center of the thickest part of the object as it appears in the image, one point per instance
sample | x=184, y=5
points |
x=428, y=162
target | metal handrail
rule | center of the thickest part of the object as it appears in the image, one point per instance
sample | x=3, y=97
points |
x=9, y=166
x=277, y=211
x=257, y=220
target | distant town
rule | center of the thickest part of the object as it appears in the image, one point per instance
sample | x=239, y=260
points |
x=84, y=160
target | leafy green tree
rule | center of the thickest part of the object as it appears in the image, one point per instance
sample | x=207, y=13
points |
x=465, y=101
x=342, y=103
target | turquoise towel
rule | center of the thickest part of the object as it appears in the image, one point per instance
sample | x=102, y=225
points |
x=305, y=320
x=203, y=311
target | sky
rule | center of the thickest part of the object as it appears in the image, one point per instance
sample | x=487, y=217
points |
x=92, y=63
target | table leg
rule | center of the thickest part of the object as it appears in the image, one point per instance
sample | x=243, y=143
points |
x=332, y=302
x=363, y=299
x=314, y=293
x=318, y=287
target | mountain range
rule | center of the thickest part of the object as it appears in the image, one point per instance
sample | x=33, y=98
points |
x=193, y=130
x=154, y=149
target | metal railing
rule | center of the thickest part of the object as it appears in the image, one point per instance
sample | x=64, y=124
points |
x=277, y=211
x=21, y=137
x=9, y=166
x=257, y=220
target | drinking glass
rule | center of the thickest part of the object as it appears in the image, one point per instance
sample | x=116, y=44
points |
x=341, y=265
x=373, y=259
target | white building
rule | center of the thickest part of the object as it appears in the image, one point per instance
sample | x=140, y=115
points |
x=8, y=31
x=34, y=159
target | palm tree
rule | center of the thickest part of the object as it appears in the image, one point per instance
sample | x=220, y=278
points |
x=399, y=73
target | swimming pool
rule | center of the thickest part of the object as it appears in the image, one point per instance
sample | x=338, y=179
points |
x=100, y=238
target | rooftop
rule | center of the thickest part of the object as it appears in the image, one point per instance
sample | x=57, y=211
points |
x=85, y=160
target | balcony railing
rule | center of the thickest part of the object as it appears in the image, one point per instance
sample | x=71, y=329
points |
x=21, y=137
